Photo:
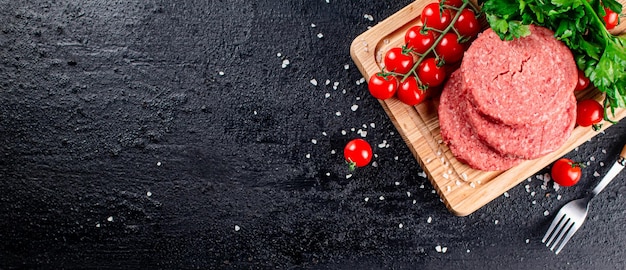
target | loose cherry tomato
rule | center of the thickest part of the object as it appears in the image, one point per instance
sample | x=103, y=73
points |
x=566, y=172
x=467, y=24
x=611, y=19
x=454, y=3
x=583, y=81
x=430, y=73
x=433, y=17
x=398, y=60
x=449, y=48
x=418, y=40
x=358, y=153
x=410, y=93
x=589, y=113
x=382, y=86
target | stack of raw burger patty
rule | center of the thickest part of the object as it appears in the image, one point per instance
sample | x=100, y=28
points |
x=510, y=100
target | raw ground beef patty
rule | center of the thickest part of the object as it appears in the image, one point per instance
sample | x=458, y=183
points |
x=458, y=133
x=520, y=81
x=525, y=141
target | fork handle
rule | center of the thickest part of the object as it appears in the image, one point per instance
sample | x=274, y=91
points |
x=615, y=169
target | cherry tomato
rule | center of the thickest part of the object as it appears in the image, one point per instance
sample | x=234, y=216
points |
x=357, y=152
x=583, y=81
x=467, y=24
x=418, y=41
x=449, y=48
x=430, y=73
x=410, y=93
x=398, y=60
x=434, y=18
x=611, y=19
x=382, y=87
x=589, y=112
x=454, y=3
x=566, y=172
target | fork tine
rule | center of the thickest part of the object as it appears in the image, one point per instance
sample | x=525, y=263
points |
x=569, y=235
x=564, y=230
x=558, y=230
x=554, y=223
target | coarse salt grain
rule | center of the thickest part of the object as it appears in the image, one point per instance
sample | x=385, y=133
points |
x=381, y=198
x=506, y=194
x=429, y=220
x=158, y=163
x=221, y=73
x=346, y=66
x=320, y=35
x=366, y=199
x=285, y=63
x=338, y=113
x=313, y=82
x=237, y=228
x=148, y=193
x=408, y=194
x=397, y=183
x=279, y=55
x=496, y=222
x=313, y=141
x=343, y=132
x=546, y=213
x=308, y=155
x=333, y=151
x=596, y=174
x=400, y=225
x=375, y=164
x=368, y=17
x=438, y=248
x=313, y=25
x=354, y=107
x=110, y=219
x=348, y=176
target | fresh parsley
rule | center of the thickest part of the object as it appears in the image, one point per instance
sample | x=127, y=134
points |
x=579, y=24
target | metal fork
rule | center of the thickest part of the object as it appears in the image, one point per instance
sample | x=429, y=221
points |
x=569, y=219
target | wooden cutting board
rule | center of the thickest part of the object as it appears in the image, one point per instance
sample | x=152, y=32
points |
x=462, y=189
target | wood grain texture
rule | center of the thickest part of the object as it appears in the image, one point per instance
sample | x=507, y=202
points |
x=462, y=189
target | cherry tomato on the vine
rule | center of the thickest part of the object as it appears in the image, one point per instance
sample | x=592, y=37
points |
x=357, y=152
x=419, y=41
x=454, y=3
x=434, y=18
x=566, y=172
x=430, y=73
x=583, y=81
x=398, y=60
x=589, y=113
x=410, y=93
x=467, y=24
x=611, y=19
x=449, y=48
x=382, y=86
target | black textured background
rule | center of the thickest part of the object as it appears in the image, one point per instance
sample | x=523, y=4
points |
x=140, y=134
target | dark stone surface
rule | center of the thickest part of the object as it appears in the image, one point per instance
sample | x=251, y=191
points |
x=140, y=134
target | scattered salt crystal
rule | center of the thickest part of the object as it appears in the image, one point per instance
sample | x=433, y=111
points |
x=422, y=186
x=327, y=82
x=421, y=174
x=400, y=225
x=601, y=164
x=604, y=151
x=313, y=141
x=546, y=213
x=279, y=55
x=158, y=163
x=327, y=174
x=255, y=112
x=408, y=194
x=313, y=25
x=110, y=219
x=381, y=198
x=444, y=249
x=533, y=202
x=397, y=183
x=414, y=201
x=368, y=17
x=343, y=132
x=448, y=188
x=506, y=194
x=320, y=35
x=596, y=174
x=285, y=63
x=429, y=220
x=354, y=107
x=496, y=222
x=558, y=197
x=446, y=176
x=366, y=199
x=428, y=160
x=592, y=158
x=458, y=183
x=532, y=194
x=313, y=82
x=324, y=133
x=237, y=228
x=464, y=176
x=308, y=155
x=527, y=241
x=221, y=73
x=346, y=66
x=375, y=164
x=396, y=158
x=348, y=176
x=97, y=225
x=438, y=248
x=472, y=185
x=556, y=186
x=373, y=125
x=338, y=113
x=468, y=251
x=343, y=91
x=148, y=193
x=333, y=151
